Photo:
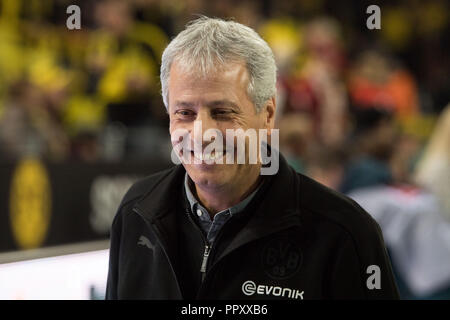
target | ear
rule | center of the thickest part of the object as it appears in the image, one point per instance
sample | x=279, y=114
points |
x=269, y=114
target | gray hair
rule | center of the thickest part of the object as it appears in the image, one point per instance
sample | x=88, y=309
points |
x=207, y=44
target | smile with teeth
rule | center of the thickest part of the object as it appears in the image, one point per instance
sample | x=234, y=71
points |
x=212, y=156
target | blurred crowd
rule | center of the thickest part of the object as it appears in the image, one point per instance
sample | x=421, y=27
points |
x=359, y=109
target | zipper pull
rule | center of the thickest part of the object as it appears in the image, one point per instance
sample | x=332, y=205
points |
x=205, y=261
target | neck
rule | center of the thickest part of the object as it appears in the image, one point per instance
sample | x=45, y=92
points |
x=216, y=200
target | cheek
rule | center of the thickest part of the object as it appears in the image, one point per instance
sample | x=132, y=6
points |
x=245, y=122
x=172, y=125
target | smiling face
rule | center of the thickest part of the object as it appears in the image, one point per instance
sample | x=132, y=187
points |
x=220, y=101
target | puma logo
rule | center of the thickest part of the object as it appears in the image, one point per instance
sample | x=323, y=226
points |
x=144, y=241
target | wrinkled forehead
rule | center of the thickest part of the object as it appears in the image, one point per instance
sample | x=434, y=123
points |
x=226, y=81
x=208, y=68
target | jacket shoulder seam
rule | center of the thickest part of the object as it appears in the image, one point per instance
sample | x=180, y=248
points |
x=142, y=194
x=353, y=241
x=345, y=229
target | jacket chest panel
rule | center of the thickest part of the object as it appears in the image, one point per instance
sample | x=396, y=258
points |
x=273, y=268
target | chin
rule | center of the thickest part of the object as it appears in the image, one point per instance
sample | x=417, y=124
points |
x=208, y=177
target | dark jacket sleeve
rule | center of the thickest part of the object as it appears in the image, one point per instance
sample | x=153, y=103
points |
x=363, y=254
x=114, y=253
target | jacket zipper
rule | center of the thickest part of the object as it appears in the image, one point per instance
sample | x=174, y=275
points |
x=208, y=246
x=199, y=294
x=205, y=262
x=158, y=237
x=207, y=250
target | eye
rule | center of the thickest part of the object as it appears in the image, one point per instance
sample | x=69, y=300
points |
x=184, y=113
x=221, y=112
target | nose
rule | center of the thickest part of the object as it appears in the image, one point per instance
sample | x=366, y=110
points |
x=207, y=122
x=203, y=123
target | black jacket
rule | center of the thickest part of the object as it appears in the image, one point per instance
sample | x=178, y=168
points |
x=296, y=240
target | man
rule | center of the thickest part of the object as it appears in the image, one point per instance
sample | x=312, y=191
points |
x=222, y=229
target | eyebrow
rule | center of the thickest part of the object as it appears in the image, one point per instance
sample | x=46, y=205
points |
x=184, y=104
x=220, y=103
x=211, y=104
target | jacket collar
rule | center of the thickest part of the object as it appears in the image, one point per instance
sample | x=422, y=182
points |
x=275, y=208
x=194, y=203
x=278, y=197
x=159, y=200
